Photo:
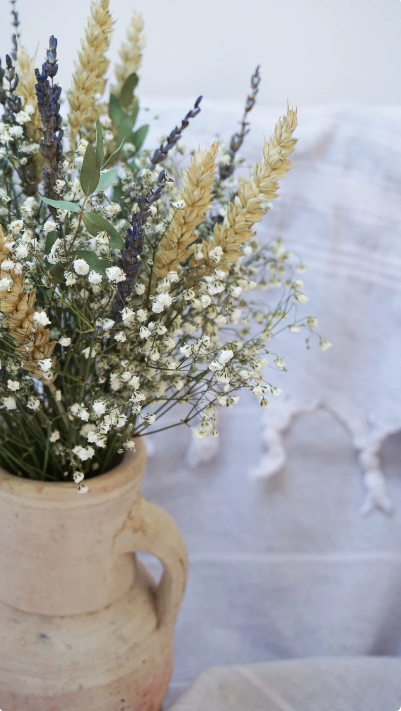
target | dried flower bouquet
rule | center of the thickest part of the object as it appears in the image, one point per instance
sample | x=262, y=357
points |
x=126, y=288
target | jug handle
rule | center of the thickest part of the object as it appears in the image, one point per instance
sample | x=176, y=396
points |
x=152, y=530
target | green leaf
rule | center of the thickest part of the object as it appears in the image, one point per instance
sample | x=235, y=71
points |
x=95, y=223
x=62, y=204
x=106, y=179
x=116, y=111
x=127, y=91
x=57, y=271
x=50, y=240
x=124, y=122
x=90, y=171
x=95, y=263
x=99, y=143
x=113, y=154
x=138, y=138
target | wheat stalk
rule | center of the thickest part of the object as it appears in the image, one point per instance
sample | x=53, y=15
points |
x=196, y=194
x=131, y=51
x=25, y=67
x=18, y=307
x=89, y=81
x=253, y=198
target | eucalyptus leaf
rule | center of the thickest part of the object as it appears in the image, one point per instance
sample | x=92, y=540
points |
x=90, y=171
x=50, y=240
x=95, y=263
x=106, y=179
x=138, y=138
x=99, y=143
x=116, y=111
x=62, y=204
x=95, y=223
x=56, y=271
x=127, y=91
x=115, y=152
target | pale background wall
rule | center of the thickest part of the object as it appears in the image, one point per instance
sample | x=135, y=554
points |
x=311, y=51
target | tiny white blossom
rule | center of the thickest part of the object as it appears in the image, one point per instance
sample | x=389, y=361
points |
x=107, y=324
x=142, y=315
x=139, y=289
x=161, y=302
x=115, y=274
x=302, y=298
x=130, y=445
x=65, y=341
x=10, y=402
x=78, y=477
x=41, y=318
x=200, y=433
x=113, y=209
x=45, y=364
x=33, y=403
x=312, y=321
x=216, y=254
x=22, y=251
x=215, y=365
x=82, y=488
x=97, y=439
x=70, y=278
x=94, y=277
x=325, y=345
x=17, y=226
x=224, y=356
x=81, y=267
x=134, y=382
x=6, y=284
x=49, y=226
x=89, y=352
x=120, y=336
x=127, y=314
x=13, y=385
x=178, y=204
x=275, y=391
x=294, y=328
x=99, y=408
x=144, y=332
x=54, y=436
x=83, y=453
x=7, y=265
x=186, y=350
x=23, y=117
x=173, y=276
x=280, y=363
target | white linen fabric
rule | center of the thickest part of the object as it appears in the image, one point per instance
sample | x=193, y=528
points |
x=313, y=685
x=286, y=568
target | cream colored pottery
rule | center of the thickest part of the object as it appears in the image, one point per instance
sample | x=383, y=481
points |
x=83, y=625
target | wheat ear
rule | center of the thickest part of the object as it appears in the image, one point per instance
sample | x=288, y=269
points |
x=130, y=52
x=253, y=198
x=196, y=194
x=25, y=67
x=33, y=341
x=88, y=83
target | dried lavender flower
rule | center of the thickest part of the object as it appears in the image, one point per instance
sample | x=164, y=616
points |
x=130, y=255
x=15, y=23
x=160, y=153
x=225, y=170
x=48, y=95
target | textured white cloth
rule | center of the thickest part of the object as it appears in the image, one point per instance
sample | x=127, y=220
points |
x=314, y=685
x=286, y=567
